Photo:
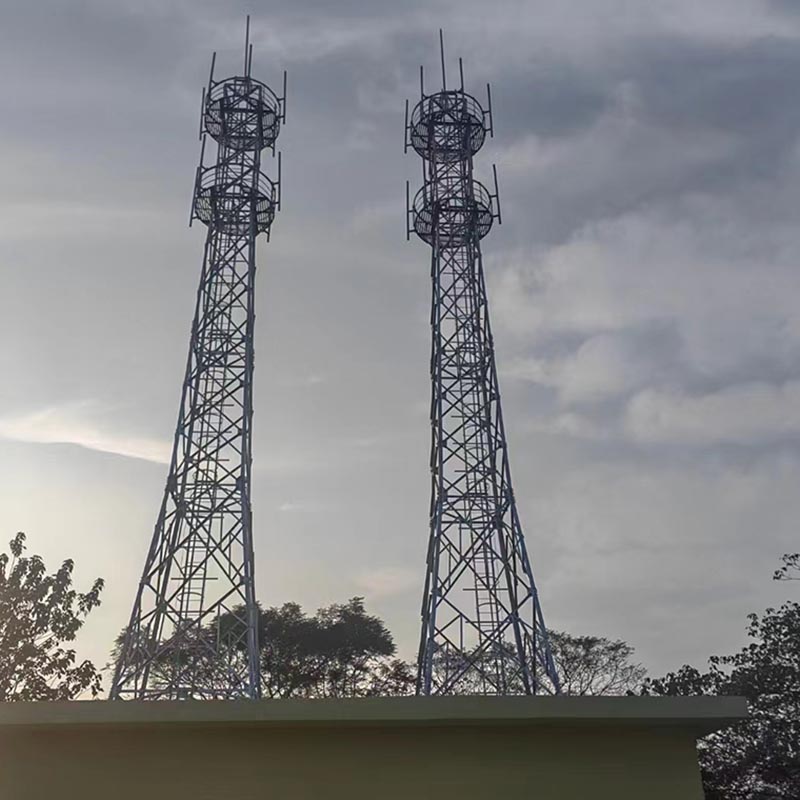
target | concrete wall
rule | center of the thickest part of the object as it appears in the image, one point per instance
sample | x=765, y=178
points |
x=326, y=759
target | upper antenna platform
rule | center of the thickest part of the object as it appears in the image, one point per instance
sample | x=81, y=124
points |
x=449, y=125
x=243, y=113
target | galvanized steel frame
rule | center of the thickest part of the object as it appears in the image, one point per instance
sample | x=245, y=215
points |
x=483, y=630
x=193, y=631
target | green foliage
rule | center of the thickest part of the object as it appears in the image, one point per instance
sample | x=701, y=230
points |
x=341, y=651
x=790, y=571
x=585, y=664
x=595, y=665
x=38, y=614
x=758, y=759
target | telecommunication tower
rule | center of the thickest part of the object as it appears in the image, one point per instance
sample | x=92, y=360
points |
x=483, y=631
x=193, y=630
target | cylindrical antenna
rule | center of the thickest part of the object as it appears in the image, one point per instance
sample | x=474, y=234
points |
x=405, y=131
x=441, y=50
x=197, y=178
x=194, y=196
x=283, y=99
x=408, y=212
x=421, y=83
x=489, y=103
x=278, y=204
x=497, y=195
x=211, y=71
x=202, y=113
x=461, y=72
x=249, y=60
x=247, y=45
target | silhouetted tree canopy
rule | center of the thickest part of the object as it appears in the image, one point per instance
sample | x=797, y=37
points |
x=594, y=665
x=585, y=665
x=340, y=651
x=39, y=613
x=790, y=571
x=758, y=759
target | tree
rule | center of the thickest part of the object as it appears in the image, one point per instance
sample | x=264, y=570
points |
x=39, y=613
x=341, y=651
x=758, y=759
x=595, y=665
x=585, y=664
x=790, y=571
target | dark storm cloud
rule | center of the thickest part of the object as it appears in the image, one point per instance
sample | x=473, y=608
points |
x=785, y=6
x=747, y=91
x=549, y=98
x=658, y=119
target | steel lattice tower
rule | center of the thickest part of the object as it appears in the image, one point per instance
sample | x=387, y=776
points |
x=193, y=630
x=482, y=626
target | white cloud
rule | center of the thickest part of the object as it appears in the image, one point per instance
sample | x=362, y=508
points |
x=755, y=413
x=699, y=271
x=22, y=220
x=305, y=507
x=388, y=581
x=571, y=424
x=604, y=366
x=69, y=425
x=579, y=28
x=375, y=217
x=589, y=163
x=310, y=38
x=303, y=381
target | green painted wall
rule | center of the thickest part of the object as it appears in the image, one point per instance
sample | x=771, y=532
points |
x=489, y=761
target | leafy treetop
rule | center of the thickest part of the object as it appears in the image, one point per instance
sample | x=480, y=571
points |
x=39, y=613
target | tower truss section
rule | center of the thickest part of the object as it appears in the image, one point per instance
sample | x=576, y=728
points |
x=483, y=630
x=193, y=631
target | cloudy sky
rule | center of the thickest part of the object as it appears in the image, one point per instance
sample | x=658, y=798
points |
x=644, y=291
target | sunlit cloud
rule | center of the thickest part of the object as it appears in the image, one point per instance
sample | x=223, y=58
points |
x=388, y=581
x=69, y=425
x=302, y=507
x=569, y=424
x=751, y=414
